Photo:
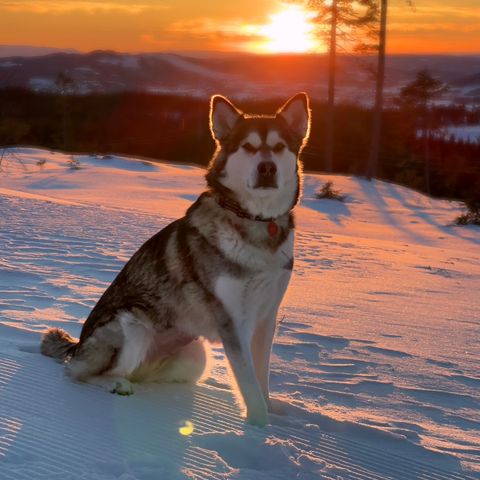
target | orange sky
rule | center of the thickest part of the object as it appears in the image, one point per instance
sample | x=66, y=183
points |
x=432, y=26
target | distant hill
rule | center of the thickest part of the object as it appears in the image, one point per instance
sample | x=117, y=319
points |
x=29, y=51
x=238, y=75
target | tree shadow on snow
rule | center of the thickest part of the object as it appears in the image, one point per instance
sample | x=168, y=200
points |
x=333, y=209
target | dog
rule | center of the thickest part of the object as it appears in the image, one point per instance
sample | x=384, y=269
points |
x=217, y=274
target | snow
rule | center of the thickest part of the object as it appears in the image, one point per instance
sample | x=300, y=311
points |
x=189, y=66
x=126, y=61
x=8, y=64
x=468, y=133
x=41, y=84
x=375, y=363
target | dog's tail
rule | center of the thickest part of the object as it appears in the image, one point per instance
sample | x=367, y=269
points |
x=57, y=343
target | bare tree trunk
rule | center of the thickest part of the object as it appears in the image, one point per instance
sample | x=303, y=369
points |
x=332, y=56
x=426, y=148
x=380, y=82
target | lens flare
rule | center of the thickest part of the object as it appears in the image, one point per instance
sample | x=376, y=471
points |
x=186, y=429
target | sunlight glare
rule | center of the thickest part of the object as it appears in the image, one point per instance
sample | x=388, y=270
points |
x=289, y=30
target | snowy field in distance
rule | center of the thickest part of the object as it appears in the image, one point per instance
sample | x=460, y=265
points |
x=467, y=133
x=376, y=360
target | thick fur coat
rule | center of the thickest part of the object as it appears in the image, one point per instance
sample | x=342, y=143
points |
x=219, y=273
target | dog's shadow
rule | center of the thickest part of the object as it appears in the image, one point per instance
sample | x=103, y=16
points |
x=164, y=431
x=79, y=429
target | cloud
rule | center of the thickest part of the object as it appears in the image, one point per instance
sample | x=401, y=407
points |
x=437, y=14
x=288, y=28
x=211, y=29
x=205, y=33
x=67, y=6
x=437, y=28
x=433, y=20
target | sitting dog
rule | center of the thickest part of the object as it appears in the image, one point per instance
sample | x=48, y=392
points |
x=218, y=273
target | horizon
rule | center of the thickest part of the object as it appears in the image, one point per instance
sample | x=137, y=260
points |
x=42, y=50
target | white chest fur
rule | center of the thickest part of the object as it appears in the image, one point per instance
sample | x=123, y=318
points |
x=253, y=300
x=256, y=297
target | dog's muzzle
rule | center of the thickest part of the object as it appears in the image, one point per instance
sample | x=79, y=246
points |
x=266, y=175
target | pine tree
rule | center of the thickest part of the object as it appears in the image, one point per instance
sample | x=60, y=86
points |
x=379, y=85
x=418, y=96
x=65, y=85
x=348, y=23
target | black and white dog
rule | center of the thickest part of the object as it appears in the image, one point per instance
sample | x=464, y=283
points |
x=218, y=273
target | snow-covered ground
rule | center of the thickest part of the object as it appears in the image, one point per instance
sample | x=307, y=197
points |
x=376, y=362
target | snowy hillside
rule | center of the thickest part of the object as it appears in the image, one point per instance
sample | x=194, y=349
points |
x=376, y=360
x=235, y=74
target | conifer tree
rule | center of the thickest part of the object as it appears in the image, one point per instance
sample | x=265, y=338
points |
x=418, y=96
x=347, y=24
x=65, y=85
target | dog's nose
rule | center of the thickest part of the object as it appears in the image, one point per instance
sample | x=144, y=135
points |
x=267, y=169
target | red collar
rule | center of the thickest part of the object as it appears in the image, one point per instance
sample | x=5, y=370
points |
x=233, y=206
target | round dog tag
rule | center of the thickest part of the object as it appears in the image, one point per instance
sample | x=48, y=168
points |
x=272, y=228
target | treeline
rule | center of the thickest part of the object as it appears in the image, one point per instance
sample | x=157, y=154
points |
x=176, y=129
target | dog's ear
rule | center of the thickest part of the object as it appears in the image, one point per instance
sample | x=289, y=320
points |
x=223, y=117
x=296, y=112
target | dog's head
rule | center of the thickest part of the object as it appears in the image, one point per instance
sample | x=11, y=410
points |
x=257, y=157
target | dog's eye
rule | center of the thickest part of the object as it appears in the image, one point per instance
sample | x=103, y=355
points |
x=279, y=147
x=248, y=147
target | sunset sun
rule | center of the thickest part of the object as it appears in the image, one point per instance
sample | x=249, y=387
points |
x=289, y=30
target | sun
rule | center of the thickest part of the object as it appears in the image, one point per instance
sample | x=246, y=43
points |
x=289, y=30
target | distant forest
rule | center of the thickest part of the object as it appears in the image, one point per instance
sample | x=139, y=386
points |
x=176, y=128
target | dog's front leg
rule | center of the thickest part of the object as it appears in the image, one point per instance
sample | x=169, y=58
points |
x=238, y=352
x=261, y=351
x=263, y=337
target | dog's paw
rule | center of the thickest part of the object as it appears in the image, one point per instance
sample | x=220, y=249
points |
x=122, y=387
x=277, y=407
x=259, y=417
